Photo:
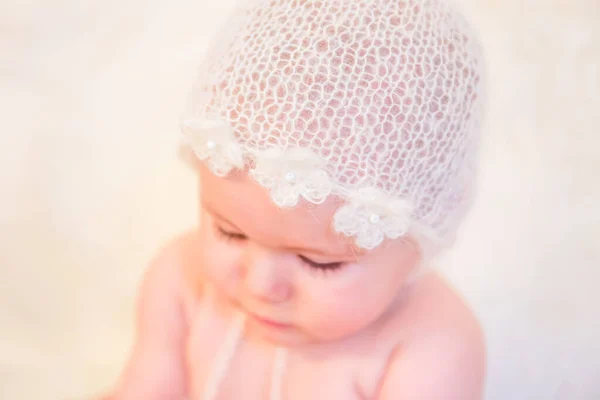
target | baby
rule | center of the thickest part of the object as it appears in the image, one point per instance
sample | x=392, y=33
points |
x=336, y=147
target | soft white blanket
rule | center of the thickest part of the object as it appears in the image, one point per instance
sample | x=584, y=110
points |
x=89, y=94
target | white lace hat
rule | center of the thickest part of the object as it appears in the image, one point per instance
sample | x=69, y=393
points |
x=378, y=102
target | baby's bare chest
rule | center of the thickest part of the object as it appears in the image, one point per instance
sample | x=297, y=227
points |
x=253, y=370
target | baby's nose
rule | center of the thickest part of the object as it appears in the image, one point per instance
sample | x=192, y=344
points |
x=265, y=276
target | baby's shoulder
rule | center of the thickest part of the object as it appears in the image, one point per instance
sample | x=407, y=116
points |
x=442, y=338
x=433, y=307
x=174, y=258
x=171, y=272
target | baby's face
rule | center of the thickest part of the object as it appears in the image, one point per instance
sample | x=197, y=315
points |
x=298, y=281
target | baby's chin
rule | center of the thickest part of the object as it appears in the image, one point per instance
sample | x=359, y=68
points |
x=296, y=337
x=305, y=334
x=289, y=336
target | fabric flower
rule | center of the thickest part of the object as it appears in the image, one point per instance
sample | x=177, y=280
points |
x=371, y=216
x=290, y=174
x=212, y=140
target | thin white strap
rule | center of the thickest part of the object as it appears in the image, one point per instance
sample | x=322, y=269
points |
x=223, y=358
x=278, y=373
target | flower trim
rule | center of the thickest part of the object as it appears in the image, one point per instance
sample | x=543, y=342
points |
x=213, y=141
x=291, y=174
x=370, y=215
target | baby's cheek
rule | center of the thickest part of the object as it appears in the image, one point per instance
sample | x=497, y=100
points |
x=220, y=265
x=221, y=268
x=336, y=309
x=339, y=317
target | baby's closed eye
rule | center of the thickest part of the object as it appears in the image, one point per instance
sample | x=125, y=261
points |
x=231, y=235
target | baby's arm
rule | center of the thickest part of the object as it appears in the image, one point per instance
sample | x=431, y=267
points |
x=155, y=369
x=447, y=366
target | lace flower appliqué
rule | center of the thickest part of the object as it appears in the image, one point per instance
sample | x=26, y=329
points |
x=292, y=173
x=371, y=216
x=213, y=140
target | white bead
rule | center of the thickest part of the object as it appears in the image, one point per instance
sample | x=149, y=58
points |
x=374, y=218
x=290, y=177
x=211, y=144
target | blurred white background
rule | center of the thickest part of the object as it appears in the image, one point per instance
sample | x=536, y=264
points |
x=89, y=96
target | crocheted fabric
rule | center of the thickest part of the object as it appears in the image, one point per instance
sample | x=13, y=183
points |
x=378, y=102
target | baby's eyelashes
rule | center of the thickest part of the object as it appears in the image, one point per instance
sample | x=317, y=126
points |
x=330, y=266
x=228, y=235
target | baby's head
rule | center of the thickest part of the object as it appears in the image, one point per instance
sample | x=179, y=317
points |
x=339, y=145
